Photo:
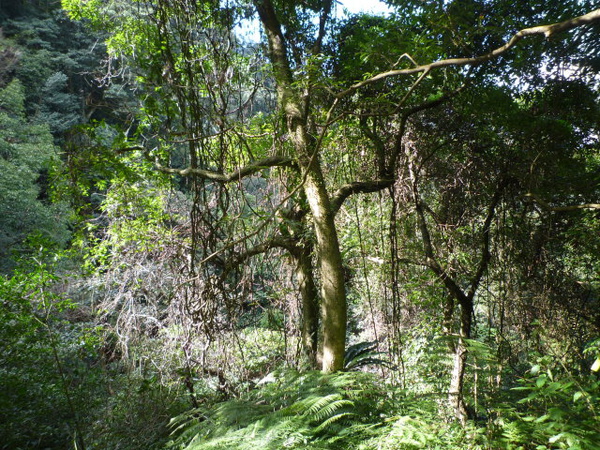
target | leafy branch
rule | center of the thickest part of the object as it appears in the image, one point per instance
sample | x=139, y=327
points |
x=545, y=30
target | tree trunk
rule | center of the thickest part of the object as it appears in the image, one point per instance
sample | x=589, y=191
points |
x=448, y=321
x=310, y=304
x=457, y=381
x=333, y=291
x=295, y=106
x=455, y=393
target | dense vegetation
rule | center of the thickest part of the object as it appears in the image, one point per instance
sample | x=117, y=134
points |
x=349, y=232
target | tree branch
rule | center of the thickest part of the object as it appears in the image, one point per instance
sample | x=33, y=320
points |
x=386, y=180
x=546, y=30
x=325, y=12
x=277, y=242
x=485, y=240
x=357, y=187
x=277, y=48
x=545, y=205
x=250, y=169
x=414, y=110
x=430, y=258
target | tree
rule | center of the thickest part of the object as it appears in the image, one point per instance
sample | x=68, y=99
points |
x=187, y=55
x=26, y=152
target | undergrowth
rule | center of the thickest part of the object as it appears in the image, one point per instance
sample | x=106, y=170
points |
x=349, y=410
x=357, y=410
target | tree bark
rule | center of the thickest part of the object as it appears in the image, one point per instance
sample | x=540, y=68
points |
x=455, y=392
x=333, y=289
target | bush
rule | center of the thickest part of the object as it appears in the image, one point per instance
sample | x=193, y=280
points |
x=46, y=385
x=559, y=411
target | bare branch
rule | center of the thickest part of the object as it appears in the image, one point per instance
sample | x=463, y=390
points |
x=546, y=30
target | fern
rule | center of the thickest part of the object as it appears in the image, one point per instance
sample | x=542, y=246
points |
x=327, y=423
x=321, y=408
x=311, y=410
x=308, y=410
x=363, y=354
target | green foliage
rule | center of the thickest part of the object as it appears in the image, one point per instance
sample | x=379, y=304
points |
x=137, y=222
x=60, y=109
x=136, y=414
x=196, y=87
x=57, y=59
x=93, y=162
x=60, y=385
x=262, y=350
x=81, y=10
x=560, y=410
x=288, y=409
x=44, y=379
x=26, y=152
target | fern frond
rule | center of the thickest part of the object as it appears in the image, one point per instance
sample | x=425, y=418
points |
x=329, y=410
x=358, y=349
x=308, y=410
x=333, y=419
x=363, y=354
x=320, y=405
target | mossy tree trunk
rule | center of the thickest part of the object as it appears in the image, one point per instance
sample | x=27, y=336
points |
x=295, y=106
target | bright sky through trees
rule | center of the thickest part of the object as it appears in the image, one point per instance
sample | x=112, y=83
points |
x=249, y=29
x=368, y=6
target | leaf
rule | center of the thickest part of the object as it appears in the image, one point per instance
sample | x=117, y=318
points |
x=555, y=438
x=577, y=395
x=363, y=354
x=327, y=422
x=596, y=365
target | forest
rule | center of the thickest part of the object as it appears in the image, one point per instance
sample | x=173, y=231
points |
x=272, y=224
